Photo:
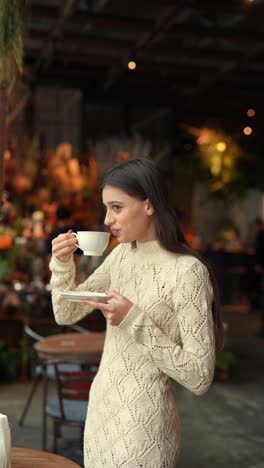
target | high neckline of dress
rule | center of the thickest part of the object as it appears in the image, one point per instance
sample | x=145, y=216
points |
x=148, y=247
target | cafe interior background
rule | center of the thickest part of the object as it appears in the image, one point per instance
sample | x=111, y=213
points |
x=90, y=83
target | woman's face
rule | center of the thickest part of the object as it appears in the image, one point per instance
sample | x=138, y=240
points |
x=129, y=219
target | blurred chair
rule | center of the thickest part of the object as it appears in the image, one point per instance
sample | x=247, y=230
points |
x=69, y=406
x=11, y=347
x=11, y=331
x=38, y=366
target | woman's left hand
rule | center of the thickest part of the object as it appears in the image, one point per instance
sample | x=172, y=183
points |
x=114, y=312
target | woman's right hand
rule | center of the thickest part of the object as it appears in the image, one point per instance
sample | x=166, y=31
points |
x=63, y=246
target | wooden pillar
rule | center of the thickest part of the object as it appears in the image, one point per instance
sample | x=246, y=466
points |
x=126, y=118
x=83, y=123
x=30, y=114
x=3, y=133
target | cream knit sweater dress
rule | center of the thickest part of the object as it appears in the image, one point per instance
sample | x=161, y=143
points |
x=132, y=418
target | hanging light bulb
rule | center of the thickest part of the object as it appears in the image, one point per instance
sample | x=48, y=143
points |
x=251, y=112
x=132, y=65
x=247, y=131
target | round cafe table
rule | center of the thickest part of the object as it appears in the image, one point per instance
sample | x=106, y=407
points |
x=86, y=347
x=29, y=458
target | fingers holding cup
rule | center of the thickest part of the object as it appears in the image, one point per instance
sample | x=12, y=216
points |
x=63, y=246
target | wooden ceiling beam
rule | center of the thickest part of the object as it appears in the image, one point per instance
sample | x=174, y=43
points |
x=100, y=21
x=109, y=52
x=182, y=66
x=109, y=22
x=160, y=3
x=77, y=60
x=119, y=47
x=162, y=54
x=224, y=72
x=41, y=12
x=84, y=70
x=222, y=98
x=224, y=7
x=85, y=42
x=194, y=32
x=231, y=7
x=66, y=12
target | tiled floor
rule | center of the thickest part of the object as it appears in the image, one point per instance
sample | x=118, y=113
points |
x=222, y=429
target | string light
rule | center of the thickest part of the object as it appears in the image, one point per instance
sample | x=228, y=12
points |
x=251, y=112
x=132, y=65
x=247, y=131
x=221, y=146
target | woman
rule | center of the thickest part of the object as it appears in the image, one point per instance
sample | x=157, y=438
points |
x=162, y=323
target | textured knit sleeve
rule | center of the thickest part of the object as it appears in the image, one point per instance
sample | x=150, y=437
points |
x=192, y=362
x=63, y=279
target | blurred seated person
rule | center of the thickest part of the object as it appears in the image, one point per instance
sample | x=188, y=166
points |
x=259, y=273
x=259, y=250
x=257, y=266
x=254, y=228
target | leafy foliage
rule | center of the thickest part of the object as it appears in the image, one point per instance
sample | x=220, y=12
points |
x=227, y=164
x=224, y=360
x=12, y=30
x=10, y=360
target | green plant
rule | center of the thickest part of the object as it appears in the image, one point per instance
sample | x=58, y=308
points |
x=12, y=29
x=8, y=254
x=10, y=360
x=224, y=360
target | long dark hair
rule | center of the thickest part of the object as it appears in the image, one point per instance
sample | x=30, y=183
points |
x=140, y=179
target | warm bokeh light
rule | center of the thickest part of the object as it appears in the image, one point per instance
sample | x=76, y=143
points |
x=7, y=155
x=226, y=176
x=228, y=161
x=122, y=156
x=247, y=131
x=251, y=113
x=221, y=146
x=220, y=154
x=204, y=137
x=132, y=65
x=215, y=164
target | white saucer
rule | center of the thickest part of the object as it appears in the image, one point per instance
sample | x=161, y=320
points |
x=79, y=296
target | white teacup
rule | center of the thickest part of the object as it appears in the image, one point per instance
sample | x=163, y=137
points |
x=92, y=242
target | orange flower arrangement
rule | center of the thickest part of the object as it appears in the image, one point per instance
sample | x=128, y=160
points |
x=6, y=241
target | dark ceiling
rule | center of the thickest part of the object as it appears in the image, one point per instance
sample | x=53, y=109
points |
x=203, y=58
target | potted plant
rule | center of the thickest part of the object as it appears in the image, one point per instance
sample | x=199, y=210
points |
x=10, y=361
x=225, y=361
